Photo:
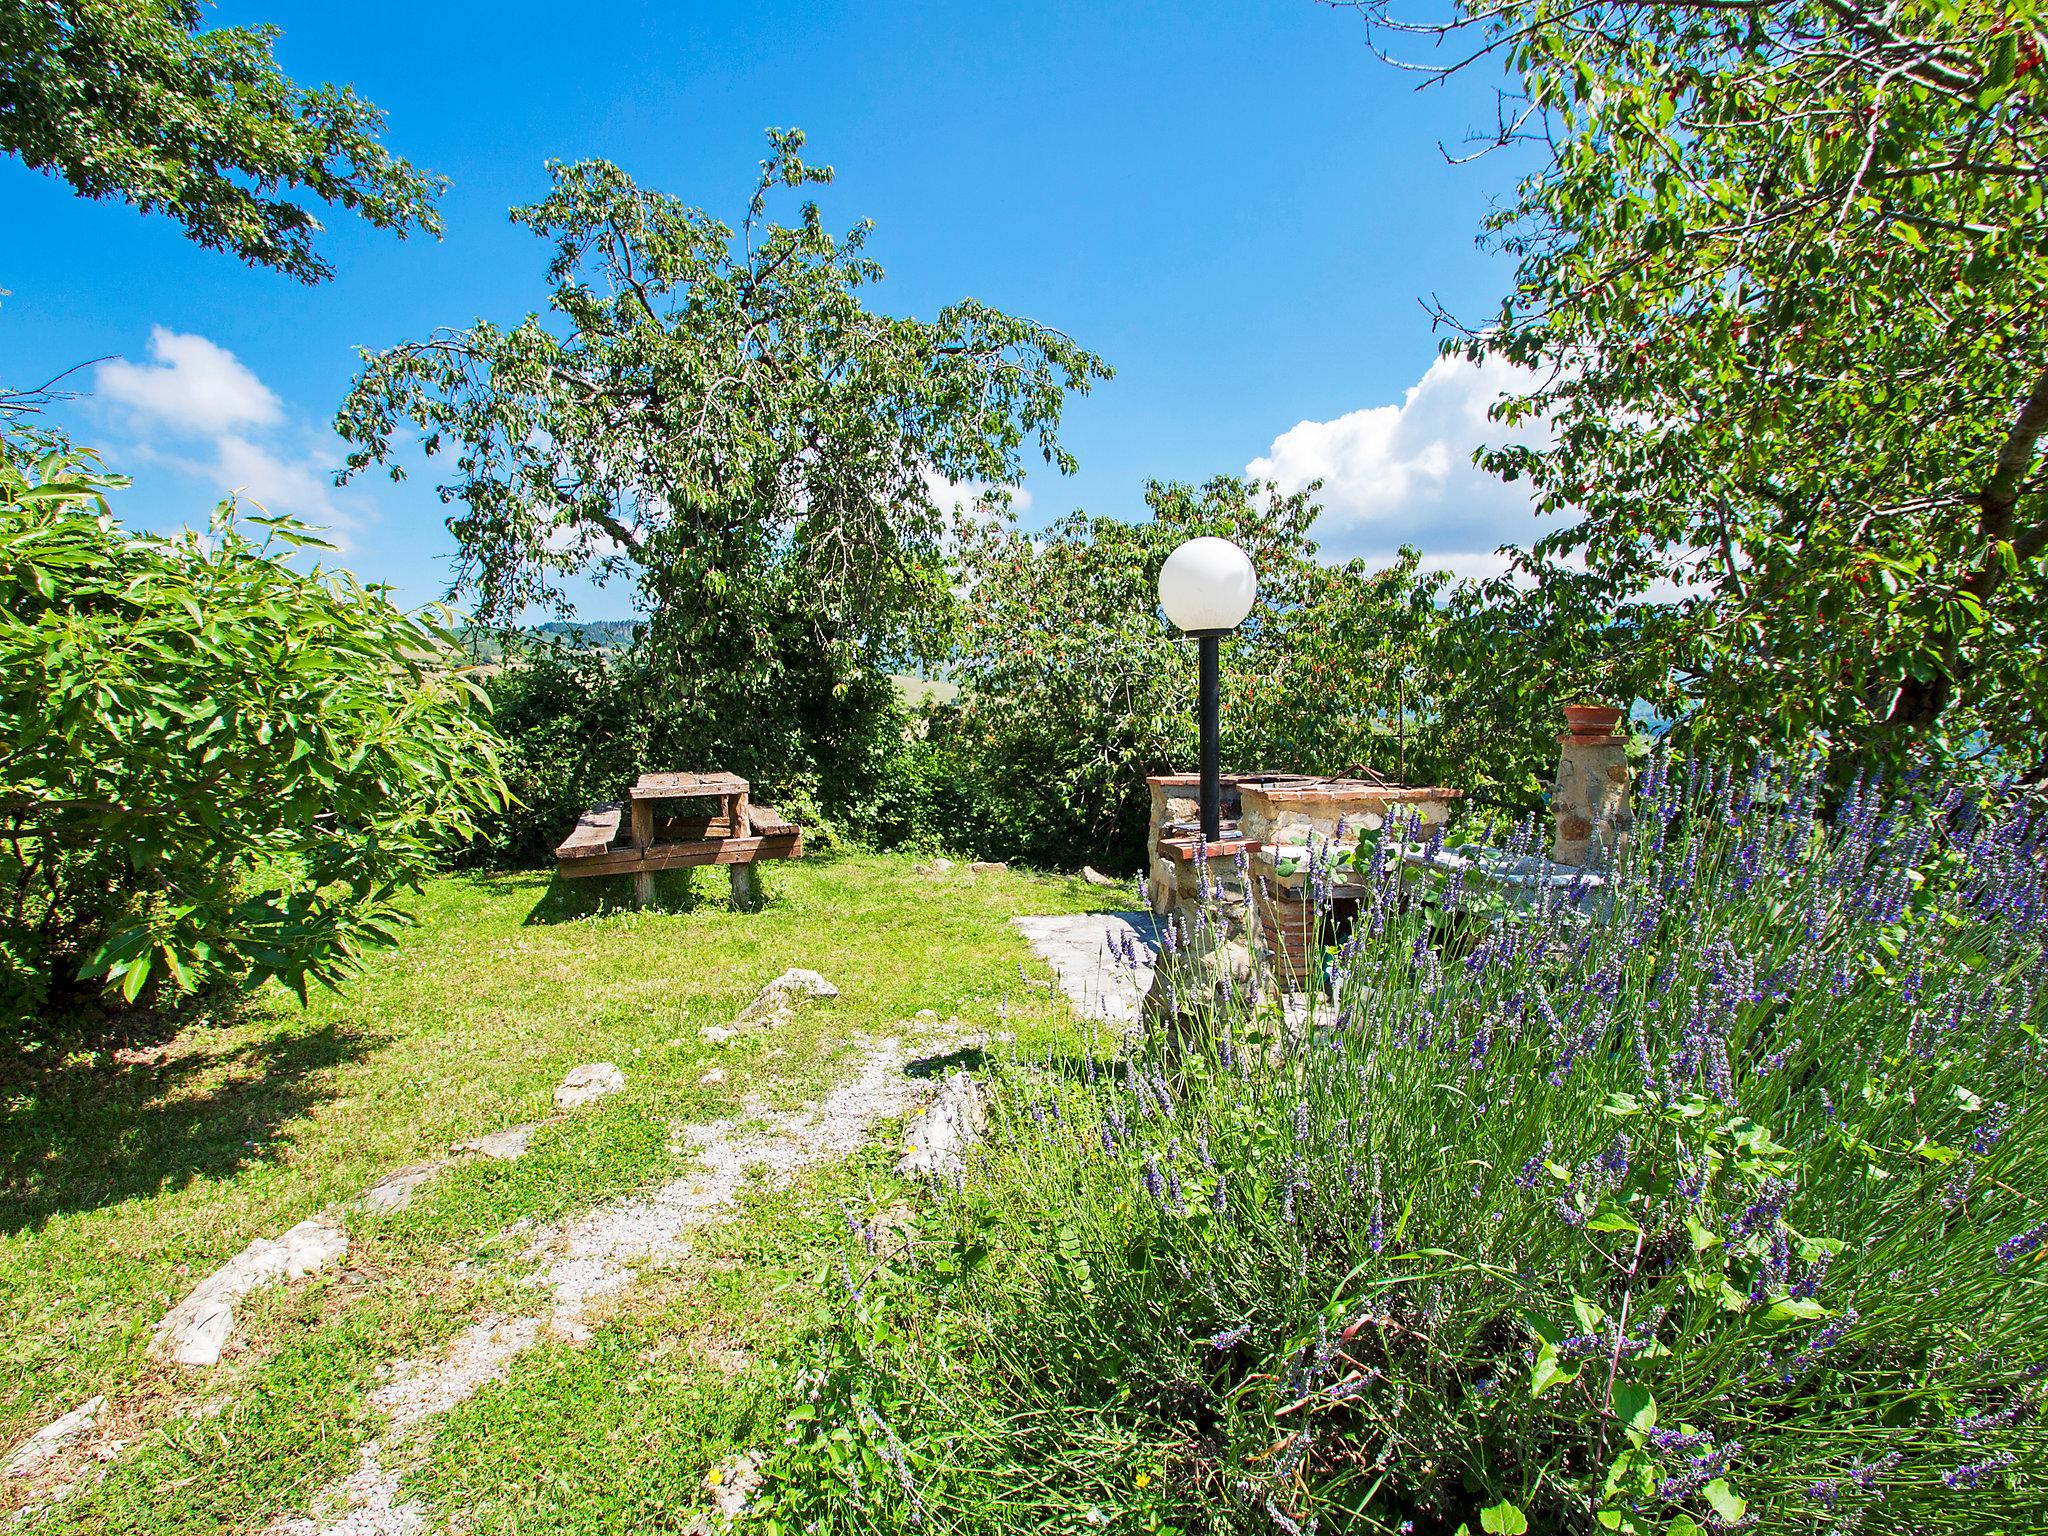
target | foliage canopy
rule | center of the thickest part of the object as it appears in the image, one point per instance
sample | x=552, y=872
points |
x=1781, y=282
x=132, y=99
x=712, y=410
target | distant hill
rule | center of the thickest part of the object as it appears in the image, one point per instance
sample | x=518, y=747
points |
x=599, y=634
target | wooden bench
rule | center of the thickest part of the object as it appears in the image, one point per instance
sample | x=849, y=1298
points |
x=738, y=834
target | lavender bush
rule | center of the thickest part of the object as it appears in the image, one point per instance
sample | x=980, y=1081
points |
x=1709, y=1193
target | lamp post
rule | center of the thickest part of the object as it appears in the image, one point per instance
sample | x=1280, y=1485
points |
x=1206, y=588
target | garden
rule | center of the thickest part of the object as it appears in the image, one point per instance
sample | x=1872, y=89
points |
x=1352, y=1048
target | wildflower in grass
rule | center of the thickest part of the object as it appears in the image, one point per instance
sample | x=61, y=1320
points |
x=1820, y=1344
x=1866, y=1475
x=1376, y=1229
x=1290, y=1458
x=1976, y=1423
x=1230, y=1338
x=1764, y=1212
x=894, y=1449
x=1219, y=1201
x=1972, y=1474
x=1614, y=1161
x=1174, y=1200
x=1154, y=1185
x=1991, y=1129
x=2013, y=1249
x=1301, y=1121
x=1816, y=1272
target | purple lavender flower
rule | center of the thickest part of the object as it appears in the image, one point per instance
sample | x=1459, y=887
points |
x=2013, y=1249
x=1972, y=1474
x=1230, y=1338
x=1154, y=1185
x=1376, y=1228
x=1991, y=1129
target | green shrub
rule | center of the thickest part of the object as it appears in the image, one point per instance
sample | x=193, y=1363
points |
x=212, y=766
x=1074, y=689
x=1712, y=1193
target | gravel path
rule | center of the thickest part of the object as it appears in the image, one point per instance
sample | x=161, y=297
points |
x=594, y=1255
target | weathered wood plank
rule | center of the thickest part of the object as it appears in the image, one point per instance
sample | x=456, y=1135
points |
x=766, y=821
x=726, y=850
x=593, y=833
x=687, y=786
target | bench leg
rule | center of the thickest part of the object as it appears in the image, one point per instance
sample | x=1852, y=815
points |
x=643, y=888
x=746, y=887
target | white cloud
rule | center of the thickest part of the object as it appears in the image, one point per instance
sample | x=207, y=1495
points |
x=199, y=411
x=965, y=498
x=1403, y=474
x=295, y=486
x=194, y=386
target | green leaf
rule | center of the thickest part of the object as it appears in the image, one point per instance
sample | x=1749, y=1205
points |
x=1503, y=1519
x=1636, y=1407
x=1796, y=1307
x=1724, y=1501
x=1548, y=1373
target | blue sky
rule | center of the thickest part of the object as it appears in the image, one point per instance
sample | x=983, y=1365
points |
x=1236, y=204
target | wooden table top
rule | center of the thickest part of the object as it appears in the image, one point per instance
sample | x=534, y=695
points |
x=687, y=786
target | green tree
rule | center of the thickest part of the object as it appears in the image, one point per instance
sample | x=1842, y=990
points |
x=715, y=415
x=1074, y=688
x=132, y=99
x=213, y=767
x=708, y=409
x=1781, y=277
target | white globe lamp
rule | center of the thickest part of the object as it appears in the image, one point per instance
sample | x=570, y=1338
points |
x=1206, y=588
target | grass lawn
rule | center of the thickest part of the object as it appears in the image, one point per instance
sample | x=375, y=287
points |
x=131, y=1173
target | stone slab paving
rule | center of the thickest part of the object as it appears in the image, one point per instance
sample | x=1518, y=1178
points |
x=1090, y=954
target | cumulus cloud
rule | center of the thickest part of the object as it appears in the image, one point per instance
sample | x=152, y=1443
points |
x=1403, y=473
x=198, y=410
x=968, y=497
x=193, y=385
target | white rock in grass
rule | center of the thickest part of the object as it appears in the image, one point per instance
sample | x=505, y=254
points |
x=395, y=1190
x=779, y=999
x=196, y=1330
x=712, y=1078
x=938, y=1137
x=716, y=1034
x=46, y=1442
x=587, y=1084
x=1095, y=876
x=987, y=867
x=734, y=1481
x=507, y=1145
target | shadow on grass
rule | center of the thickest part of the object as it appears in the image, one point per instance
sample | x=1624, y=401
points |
x=969, y=1058
x=675, y=890
x=571, y=901
x=87, y=1131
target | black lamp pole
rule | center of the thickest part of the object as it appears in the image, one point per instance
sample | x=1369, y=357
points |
x=1209, y=645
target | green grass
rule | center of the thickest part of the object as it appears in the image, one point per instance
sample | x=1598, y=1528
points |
x=124, y=1184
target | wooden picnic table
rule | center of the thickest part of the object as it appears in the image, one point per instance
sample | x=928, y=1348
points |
x=660, y=835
